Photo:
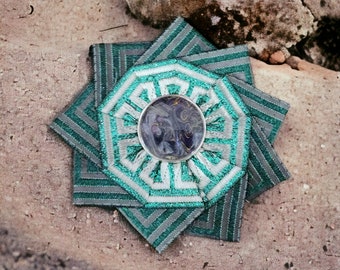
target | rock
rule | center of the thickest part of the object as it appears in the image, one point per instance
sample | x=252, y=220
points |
x=293, y=62
x=266, y=26
x=16, y=254
x=277, y=57
x=308, y=29
x=162, y=12
x=323, y=8
x=323, y=46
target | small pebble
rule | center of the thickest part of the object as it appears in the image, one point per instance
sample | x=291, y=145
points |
x=215, y=20
x=306, y=187
x=293, y=62
x=16, y=254
x=115, y=216
x=72, y=215
x=277, y=57
x=330, y=226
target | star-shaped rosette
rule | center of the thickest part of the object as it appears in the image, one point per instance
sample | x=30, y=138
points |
x=174, y=135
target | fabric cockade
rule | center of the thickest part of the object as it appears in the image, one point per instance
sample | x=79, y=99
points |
x=174, y=134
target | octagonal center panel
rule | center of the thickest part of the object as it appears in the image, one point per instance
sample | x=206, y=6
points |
x=174, y=135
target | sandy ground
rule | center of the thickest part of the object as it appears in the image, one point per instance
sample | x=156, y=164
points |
x=44, y=46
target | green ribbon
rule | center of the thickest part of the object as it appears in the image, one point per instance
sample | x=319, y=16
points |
x=78, y=126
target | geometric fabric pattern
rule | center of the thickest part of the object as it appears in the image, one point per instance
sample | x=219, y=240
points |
x=117, y=58
x=92, y=187
x=78, y=126
x=223, y=220
x=197, y=182
x=162, y=225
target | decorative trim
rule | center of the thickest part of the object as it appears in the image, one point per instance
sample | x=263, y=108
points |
x=78, y=126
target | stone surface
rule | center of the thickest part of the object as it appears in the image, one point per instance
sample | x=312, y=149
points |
x=43, y=66
x=160, y=13
x=323, y=46
x=321, y=8
x=264, y=25
x=307, y=28
x=15, y=255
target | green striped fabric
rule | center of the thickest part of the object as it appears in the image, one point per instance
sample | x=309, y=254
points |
x=117, y=59
x=223, y=220
x=92, y=187
x=265, y=168
x=231, y=61
x=78, y=126
x=160, y=226
x=266, y=110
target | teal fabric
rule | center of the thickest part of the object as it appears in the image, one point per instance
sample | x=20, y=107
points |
x=222, y=159
x=92, y=187
x=78, y=126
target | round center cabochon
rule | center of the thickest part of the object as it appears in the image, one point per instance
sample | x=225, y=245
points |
x=171, y=128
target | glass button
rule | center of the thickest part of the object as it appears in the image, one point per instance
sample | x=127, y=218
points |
x=171, y=128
